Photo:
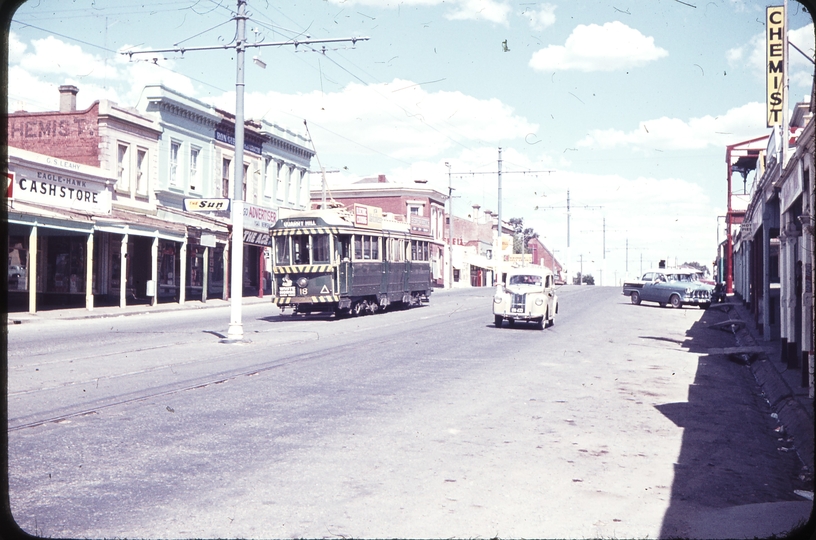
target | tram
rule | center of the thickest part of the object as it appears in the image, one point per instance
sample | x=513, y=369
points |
x=348, y=262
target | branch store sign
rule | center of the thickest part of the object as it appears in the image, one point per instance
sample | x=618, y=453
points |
x=61, y=188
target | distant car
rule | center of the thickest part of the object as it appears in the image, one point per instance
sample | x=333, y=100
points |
x=528, y=296
x=677, y=287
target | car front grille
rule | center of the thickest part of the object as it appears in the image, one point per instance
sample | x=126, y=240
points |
x=702, y=294
x=519, y=301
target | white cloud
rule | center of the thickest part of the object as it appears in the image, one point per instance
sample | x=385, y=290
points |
x=16, y=48
x=543, y=18
x=613, y=46
x=489, y=10
x=752, y=55
x=53, y=56
x=400, y=119
x=676, y=134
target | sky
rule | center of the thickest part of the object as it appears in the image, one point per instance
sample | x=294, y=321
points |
x=624, y=106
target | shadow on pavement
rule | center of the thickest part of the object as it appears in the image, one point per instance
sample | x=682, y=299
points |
x=733, y=477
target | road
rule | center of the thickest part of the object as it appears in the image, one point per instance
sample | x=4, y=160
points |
x=422, y=423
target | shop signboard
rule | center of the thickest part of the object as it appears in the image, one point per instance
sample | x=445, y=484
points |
x=775, y=63
x=206, y=205
x=369, y=217
x=58, y=183
x=259, y=218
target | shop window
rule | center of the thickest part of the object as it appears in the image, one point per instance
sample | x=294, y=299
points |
x=215, y=281
x=167, y=264
x=66, y=264
x=195, y=267
x=17, y=263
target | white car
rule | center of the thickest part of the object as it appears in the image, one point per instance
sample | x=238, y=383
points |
x=529, y=296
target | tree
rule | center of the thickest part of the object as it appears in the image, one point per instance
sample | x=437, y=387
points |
x=701, y=267
x=521, y=236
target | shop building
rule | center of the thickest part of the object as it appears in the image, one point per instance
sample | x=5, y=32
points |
x=145, y=246
x=773, y=260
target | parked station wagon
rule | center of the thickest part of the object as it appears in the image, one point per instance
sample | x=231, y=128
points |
x=677, y=287
x=529, y=296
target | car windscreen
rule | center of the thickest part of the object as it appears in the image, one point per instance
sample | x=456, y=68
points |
x=525, y=279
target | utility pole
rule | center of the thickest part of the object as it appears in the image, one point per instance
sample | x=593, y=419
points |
x=569, y=260
x=450, y=227
x=499, y=216
x=235, y=332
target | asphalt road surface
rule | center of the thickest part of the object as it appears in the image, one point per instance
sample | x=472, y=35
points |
x=423, y=423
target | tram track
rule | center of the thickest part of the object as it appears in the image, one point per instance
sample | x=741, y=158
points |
x=336, y=352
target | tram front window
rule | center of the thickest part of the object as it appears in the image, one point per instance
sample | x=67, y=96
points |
x=282, y=252
x=320, y=248
x=300, y=249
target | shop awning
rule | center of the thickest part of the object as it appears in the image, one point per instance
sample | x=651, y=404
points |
x=126, y=222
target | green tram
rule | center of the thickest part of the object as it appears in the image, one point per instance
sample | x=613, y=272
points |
x=331, y=261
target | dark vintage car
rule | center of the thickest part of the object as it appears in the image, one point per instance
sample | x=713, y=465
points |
x=669, y=286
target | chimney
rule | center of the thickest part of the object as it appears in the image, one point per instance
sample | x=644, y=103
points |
x=68, y=94
x=381, y=179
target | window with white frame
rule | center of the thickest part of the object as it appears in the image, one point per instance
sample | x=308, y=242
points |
x=122, y=167
x=244, y=191
x=292, y=188
x=175, y=147
x=142, y=164
x=268, y=177
x=280, y=186
x=304, y=189
x=225, y=177
x=194, y=168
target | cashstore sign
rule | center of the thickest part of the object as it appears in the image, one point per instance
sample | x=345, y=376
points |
x=62, y=189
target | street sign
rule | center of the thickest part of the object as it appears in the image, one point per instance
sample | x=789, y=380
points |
x=206, y=205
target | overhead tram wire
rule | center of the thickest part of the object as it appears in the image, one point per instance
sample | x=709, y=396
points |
x=369, y=84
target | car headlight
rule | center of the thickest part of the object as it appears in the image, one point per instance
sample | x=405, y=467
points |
x=539, y=302
x=302, y=282
x=497, y=299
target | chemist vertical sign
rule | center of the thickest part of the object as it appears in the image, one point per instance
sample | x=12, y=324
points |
x=775, y=54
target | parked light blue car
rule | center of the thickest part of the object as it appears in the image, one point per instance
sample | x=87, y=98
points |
x=668, y=286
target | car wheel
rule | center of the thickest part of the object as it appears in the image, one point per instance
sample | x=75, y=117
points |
x=511, y=322
x=540, y=324
x=635, y=297
x=497, y=320
x=675, y=301
x=662, y=304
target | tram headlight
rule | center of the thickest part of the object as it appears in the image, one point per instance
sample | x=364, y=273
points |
x=302, y=282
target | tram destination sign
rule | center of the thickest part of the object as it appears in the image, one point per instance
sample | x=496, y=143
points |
x=206, y=205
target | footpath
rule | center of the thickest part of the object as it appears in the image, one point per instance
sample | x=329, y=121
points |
x=782, y=386
x=79, y=313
